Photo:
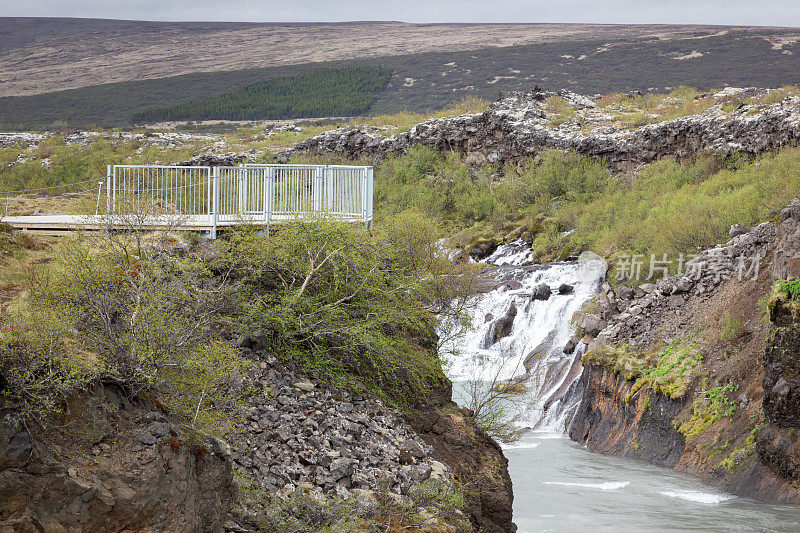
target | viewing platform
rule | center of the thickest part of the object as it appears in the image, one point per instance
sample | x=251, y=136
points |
x=205, y=199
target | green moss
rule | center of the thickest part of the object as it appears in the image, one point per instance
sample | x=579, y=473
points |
x=668, y=370
x=741, y=454
x=712, y=405
x=731, y=328
x=785, y=299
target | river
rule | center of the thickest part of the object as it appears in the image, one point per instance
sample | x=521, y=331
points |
x=559, y=485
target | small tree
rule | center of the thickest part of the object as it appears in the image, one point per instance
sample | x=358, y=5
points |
x=490, y=397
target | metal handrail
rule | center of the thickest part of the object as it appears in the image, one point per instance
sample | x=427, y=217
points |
x=248, y=192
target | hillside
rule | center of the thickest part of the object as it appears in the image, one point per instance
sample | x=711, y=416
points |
x=432, y=80
x=40, y=55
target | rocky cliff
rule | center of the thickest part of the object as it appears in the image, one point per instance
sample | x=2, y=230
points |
x=302, y=437
x=119, y=464
x=695, y=373
x=520, y=125
x=114, y=464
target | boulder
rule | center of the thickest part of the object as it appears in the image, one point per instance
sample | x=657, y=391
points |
x=647, y=288
x=736, y=230
x=565, y=289
x=570, y=346
x=501, y=327
x=591, y=325
x=541, y=292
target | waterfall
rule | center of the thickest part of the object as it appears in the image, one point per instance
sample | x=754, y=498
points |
x=520, y=338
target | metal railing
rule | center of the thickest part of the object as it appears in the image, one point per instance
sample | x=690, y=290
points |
x=249, y=193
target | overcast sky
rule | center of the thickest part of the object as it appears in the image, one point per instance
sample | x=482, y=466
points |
x=747, y=12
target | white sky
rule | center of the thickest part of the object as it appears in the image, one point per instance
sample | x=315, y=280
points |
x=741, y=12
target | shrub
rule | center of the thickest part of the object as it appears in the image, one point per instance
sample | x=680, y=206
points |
x=126, y=310
x=42, y=364
x=355, y=310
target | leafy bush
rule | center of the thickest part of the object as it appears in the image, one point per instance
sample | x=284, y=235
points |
x=356, y=310
x=42, y=364
x=790, y=287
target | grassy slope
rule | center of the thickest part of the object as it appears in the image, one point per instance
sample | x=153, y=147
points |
x=440, y=78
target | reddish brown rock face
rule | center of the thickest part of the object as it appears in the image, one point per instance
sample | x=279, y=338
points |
x=605, y=423
x=137, y=478
x=477, y=460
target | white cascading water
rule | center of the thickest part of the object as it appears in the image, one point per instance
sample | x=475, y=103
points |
x=538, y=327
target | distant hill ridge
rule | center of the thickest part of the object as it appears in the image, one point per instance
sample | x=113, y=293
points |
x=465, y=60
x=39, y=55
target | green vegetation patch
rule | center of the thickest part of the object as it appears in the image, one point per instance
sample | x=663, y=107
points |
x=784, y=300
x=355, y=310
x=712, y=405
x=731, y=328
x=121, y=309
x=668, y=370
x=321, y=92
x=741, y=454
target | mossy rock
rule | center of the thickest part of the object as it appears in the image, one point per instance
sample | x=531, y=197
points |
x=510, y=388
x=784, y=303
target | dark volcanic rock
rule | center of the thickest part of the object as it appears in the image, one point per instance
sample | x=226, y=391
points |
x=787, y=254
x=516, y=126
x=501, y=327
x=150, y=482
x=541, y=292
x=606, y=423
x=565, y=289
x=782, y=377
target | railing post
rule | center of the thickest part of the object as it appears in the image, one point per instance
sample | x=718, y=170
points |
x=370, y=176
x=114, y=189
x=364, y=181
x=210, y=194
x=108, y=189
x=215, y=195
x=318, y=184
x=329, y=184
x=269, y=192
x=242, y=192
